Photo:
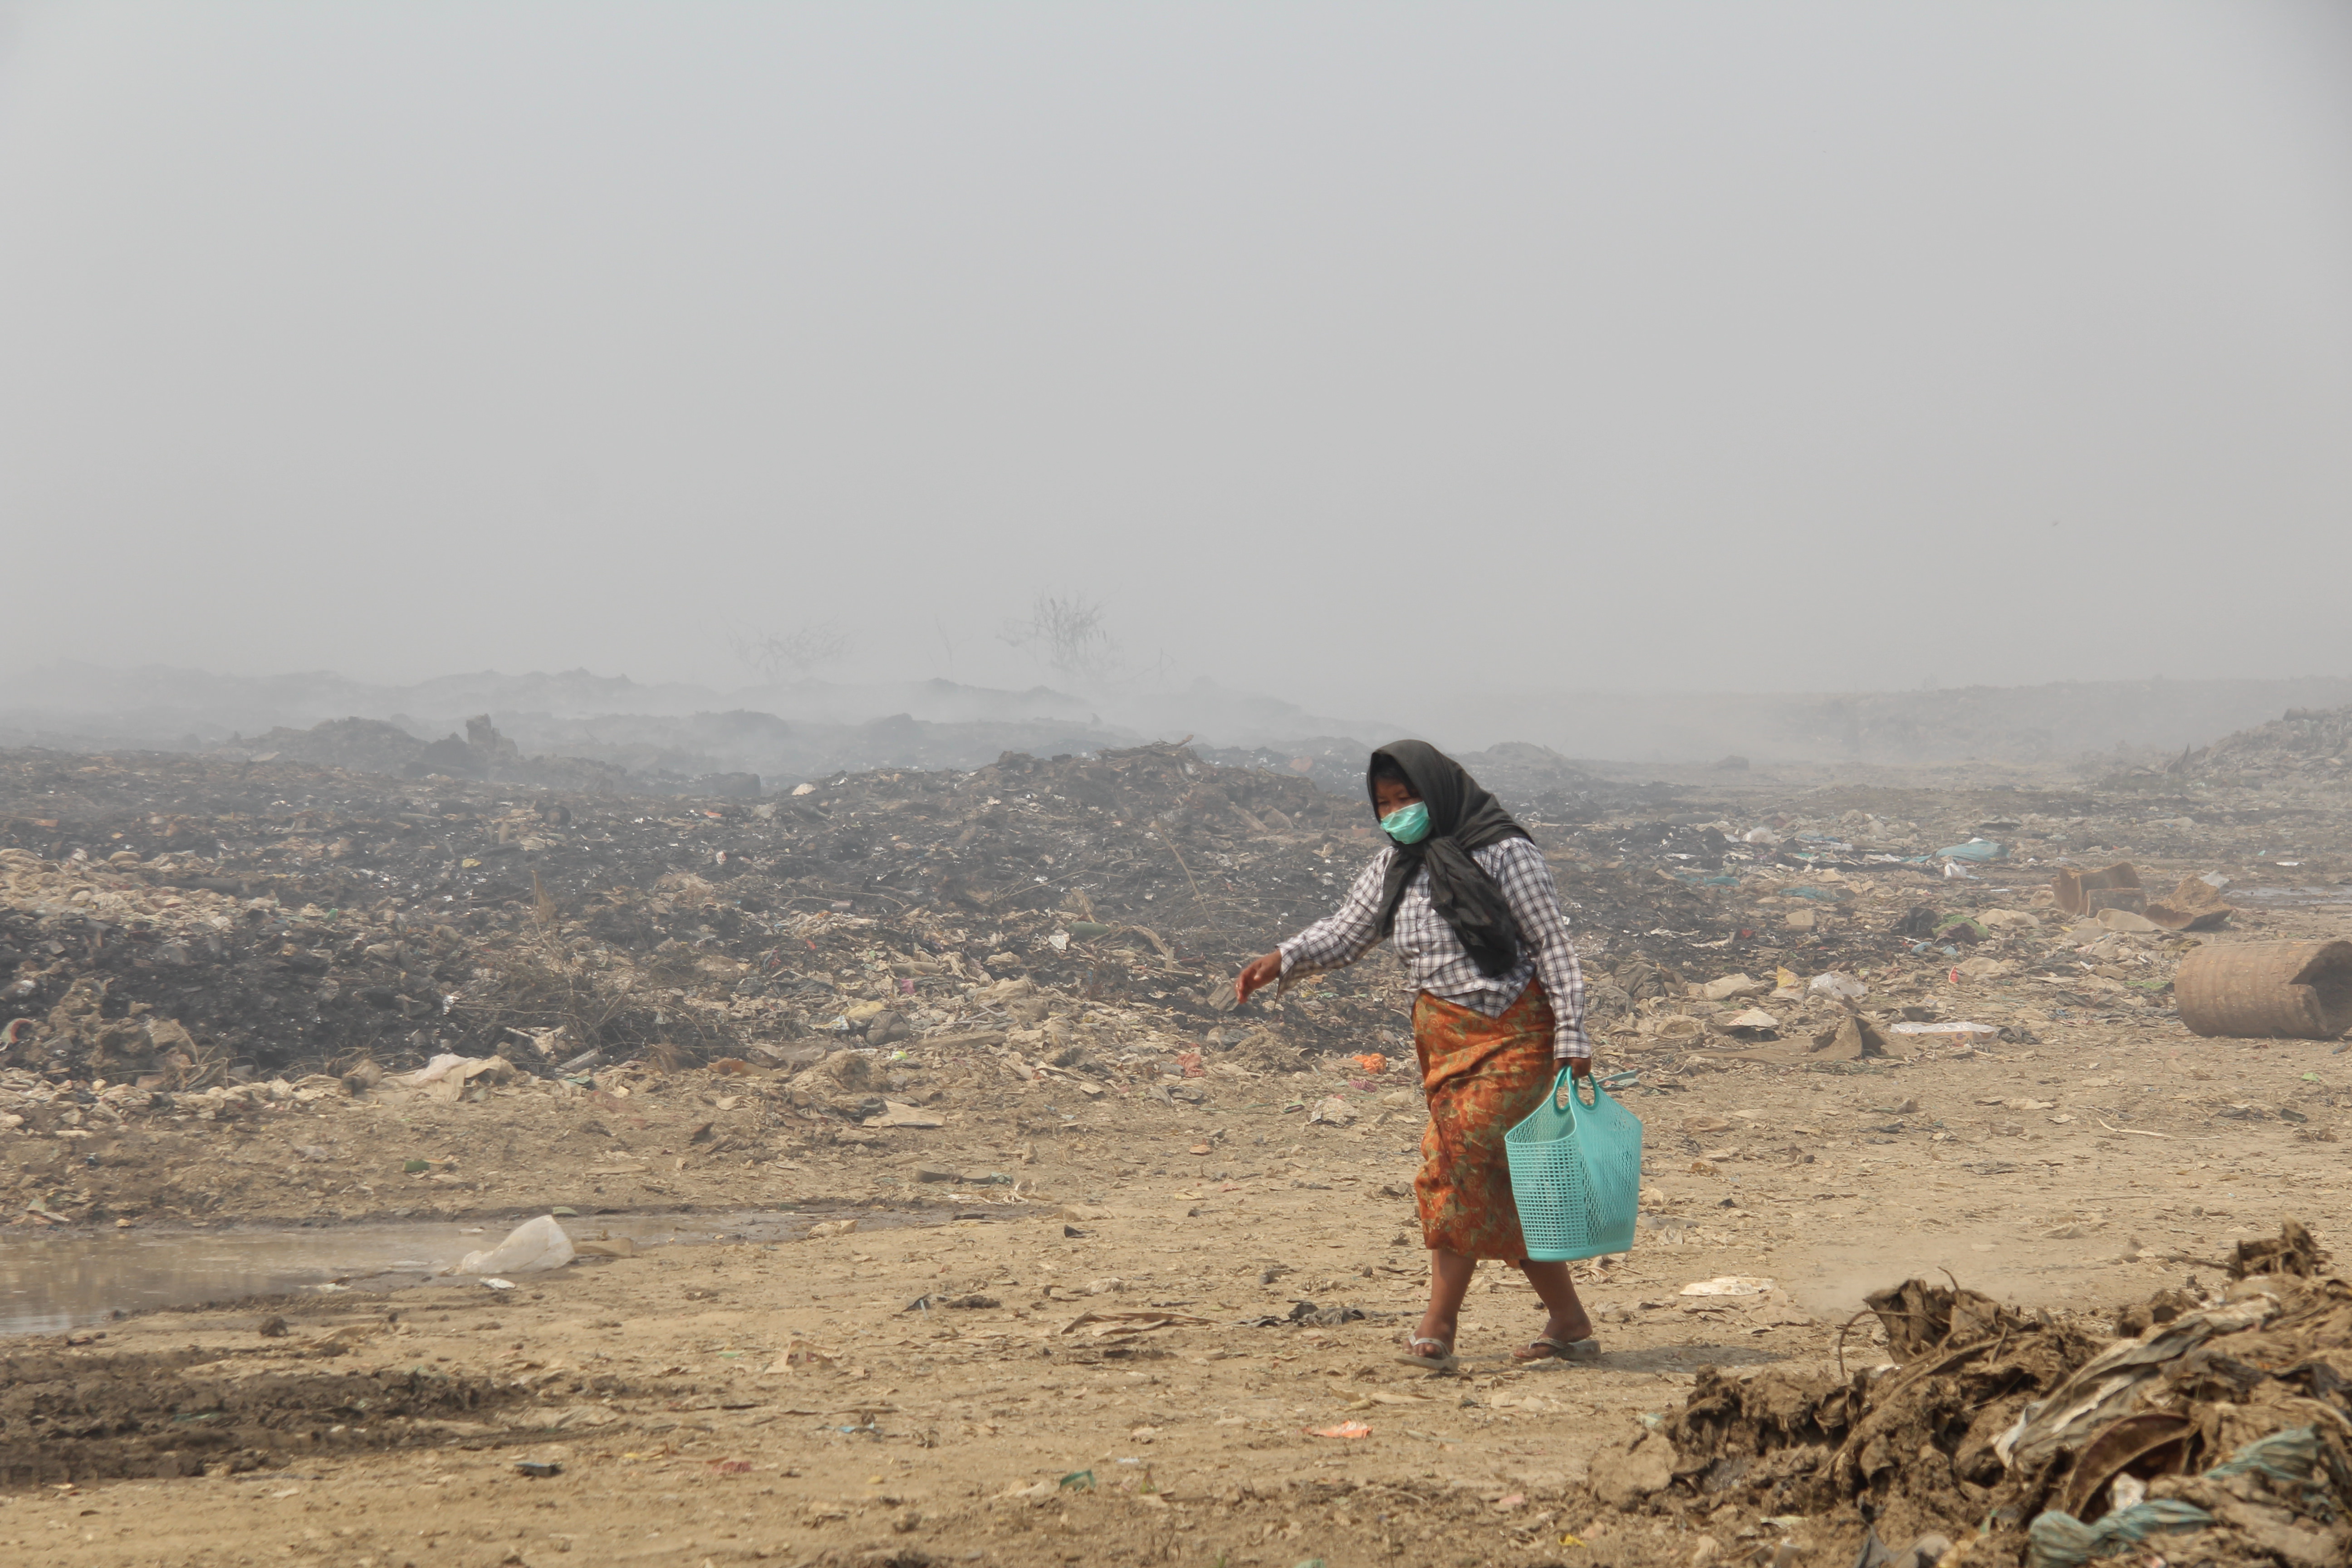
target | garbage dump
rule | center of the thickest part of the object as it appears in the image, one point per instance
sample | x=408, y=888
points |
x=725, y=754
x=959, y=1040
x=2309, y=748
x=178, y=922
x=287, y=917
x=181, y=921
x=2211, y=1423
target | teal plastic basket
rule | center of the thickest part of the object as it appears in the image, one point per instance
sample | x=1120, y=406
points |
x=1576, y=1174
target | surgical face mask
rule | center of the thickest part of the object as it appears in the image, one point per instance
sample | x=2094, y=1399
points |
x=1407, y=824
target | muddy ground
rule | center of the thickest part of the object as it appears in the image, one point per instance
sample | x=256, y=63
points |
x=1068, y=1326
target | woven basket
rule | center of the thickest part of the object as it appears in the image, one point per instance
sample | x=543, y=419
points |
x=2267, y=990
x=1576, y=1174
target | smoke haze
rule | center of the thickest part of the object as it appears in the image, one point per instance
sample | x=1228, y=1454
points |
x=1363, y=355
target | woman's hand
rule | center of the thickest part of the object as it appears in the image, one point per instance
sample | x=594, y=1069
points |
x=1579, y=1067
x=1257, y=972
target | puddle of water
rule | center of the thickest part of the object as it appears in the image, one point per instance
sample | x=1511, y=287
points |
x=68, y=1279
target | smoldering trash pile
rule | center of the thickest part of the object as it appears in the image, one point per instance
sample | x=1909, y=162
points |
x=2309, y=748
x=2217, y=1429
x=180, y=923
x=177, y=917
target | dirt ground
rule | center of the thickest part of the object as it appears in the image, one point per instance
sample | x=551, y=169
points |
x=1109, y=1318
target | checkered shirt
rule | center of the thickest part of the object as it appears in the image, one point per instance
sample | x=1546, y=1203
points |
x=1434, y=958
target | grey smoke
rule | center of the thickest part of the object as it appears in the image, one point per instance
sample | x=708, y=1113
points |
x=1370, y=355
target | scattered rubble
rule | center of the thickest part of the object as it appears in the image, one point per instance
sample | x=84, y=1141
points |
x=2114, y=898
x=725, y=755
x=191, y=937
x=178, y=922
x=2224, y=1422
x=184, y=917
x=2308, y=747
x=281, y=918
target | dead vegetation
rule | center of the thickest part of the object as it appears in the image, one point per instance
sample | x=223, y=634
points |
x=2008, y=1432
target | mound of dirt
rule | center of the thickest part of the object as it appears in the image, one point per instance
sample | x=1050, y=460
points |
x=2312, y=746
x=374, y=746
x=2220, y=1433
x=87, y=1415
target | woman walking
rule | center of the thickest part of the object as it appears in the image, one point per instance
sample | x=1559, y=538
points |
x=1465, y=895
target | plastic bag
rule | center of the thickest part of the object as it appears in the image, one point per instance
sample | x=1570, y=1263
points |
x=2056, y=1539
x=1576, y=1174
x=532, y=1245
x=2290, y=1456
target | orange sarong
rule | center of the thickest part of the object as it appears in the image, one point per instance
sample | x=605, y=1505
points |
x=1482, y=1075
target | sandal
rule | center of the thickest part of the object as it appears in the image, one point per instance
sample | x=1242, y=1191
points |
x=1439, y=1357
x=1544, y=1348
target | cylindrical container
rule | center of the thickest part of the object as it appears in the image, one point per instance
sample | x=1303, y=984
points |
x=2267, y=990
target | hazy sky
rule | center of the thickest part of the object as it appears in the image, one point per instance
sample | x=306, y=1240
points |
x=1348, y=351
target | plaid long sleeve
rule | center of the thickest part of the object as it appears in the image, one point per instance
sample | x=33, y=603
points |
x=1346, y=934
x=1434, y=959
x=1519, y=870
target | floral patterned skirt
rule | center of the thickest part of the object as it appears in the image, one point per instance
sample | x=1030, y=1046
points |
x=1481, y=1076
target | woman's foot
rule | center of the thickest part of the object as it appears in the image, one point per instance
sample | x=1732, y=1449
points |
x=1567, y=1336
x=1442, y=1326
x=1568, y=1323
x=1547, y=1347
x=1435, y=1354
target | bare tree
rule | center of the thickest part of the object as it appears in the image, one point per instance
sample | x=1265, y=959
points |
x=1065, y=632
x=796, y=654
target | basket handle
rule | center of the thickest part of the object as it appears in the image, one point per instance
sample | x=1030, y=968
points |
x=1563, y=1087
x=1564, y=1095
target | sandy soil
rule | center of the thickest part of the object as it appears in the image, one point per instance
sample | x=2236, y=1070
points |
x=780, y=1401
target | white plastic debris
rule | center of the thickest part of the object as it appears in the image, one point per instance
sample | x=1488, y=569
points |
x=1728, y=1285
x=1944, y=1028
x=446, y=1077
x=433, y=1071
x=530, y=1247
x=1844, y=986
x=1733, y=987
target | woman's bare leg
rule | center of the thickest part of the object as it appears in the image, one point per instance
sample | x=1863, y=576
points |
x=1449, y=1281
x=1569, y=1321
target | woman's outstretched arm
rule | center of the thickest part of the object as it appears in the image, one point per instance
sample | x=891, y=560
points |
x=1336, y=941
